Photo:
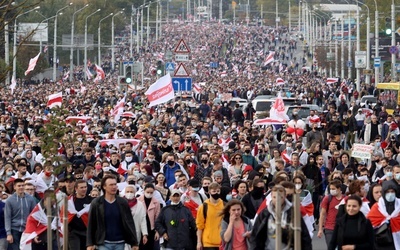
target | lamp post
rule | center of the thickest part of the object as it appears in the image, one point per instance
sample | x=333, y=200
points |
x=71, y=55
x=86, y=45
x=55, y=43
x=276, y=15
x=139, y=12
x=113, y=38
x=15, y=42
x=99, y=38
x=393, y=14
x=148, y=24
x=376, y=42
x=368, y=76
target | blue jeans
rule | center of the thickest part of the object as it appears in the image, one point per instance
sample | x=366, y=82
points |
x=112, y=246
x=16, y=240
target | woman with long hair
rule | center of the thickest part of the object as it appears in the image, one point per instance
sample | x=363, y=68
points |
x=374, y=193
x=240, y=189
x=161, y=186
x=235, y=227
x=236, y=167
x=189, y=165
x=315, y=149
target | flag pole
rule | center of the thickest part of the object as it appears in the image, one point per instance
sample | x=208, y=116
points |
x=49, y=220
x=65, y=222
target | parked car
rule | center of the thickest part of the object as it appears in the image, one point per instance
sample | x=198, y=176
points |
x=370, y=98
x=303, y=111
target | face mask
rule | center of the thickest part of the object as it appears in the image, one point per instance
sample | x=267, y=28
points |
x=196, y=189
x=148, y=196
x=204, y=161
x=47, y=173
x=80, y=139
x=289, y=197
x=9, y=173
x=351, y=177
x=333, y=192
x=364, y=178
x=215, y=196
x=174, y=203
x=225, y=137
x=144, y=173
x=106, y=169
x=140, y=183
x=171, y=163
x=288, y=149
x=390, y=197
x=128, y=159
x=98, y=167
x=144, y=146
x=205, y=189
x=389, y=174
x=397, y=177
x=188, y=161
x=228, y=197
x=247, y=151
x=378, y=144
x=20, y=149
x=130, y=196
x=298, y=186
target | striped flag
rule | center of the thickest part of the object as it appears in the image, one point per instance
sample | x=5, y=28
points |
x=260, y=53
x=88, y=73
x=100, y=75
x=55, y=100
x=13, y=84
x=270, y=58
x=32, y=64
x=331, y=80
x=65, y=76
x=72, y=212
x=307, y=212
x=45, y=49
x=280, y=67
x=378, y=216
x=196, y=88
x=279, y=81
x=223, y=74
x=118, y=110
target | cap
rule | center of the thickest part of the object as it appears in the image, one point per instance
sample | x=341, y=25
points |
x=362, y=163
x=69, y=178
x=149, y=179
x=175, y=191
x=194, y=183
x=248, y=168
x=359, y=109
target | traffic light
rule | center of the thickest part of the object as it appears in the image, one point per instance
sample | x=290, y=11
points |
x=388, y=26
x=128, y=74
x=160, y=69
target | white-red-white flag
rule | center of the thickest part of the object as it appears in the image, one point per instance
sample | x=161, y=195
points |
x=118, y=109
x=223, y=74
x=279, y=81
x=196, y=88
x=270, y=58
x=65, y=76
x=88, y=73
x=161, y=91
x=55, y=100
x=32, y=64
x=100, y=73
x=260, y=53
x=45, y=49
x=278, y=109
x=281, y=67
x=13, y=84
x=331, y=80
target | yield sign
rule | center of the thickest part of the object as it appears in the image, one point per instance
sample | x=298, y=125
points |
x=182, y=47
x=181, y=71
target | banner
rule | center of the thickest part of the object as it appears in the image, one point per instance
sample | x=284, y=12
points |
x=362, y=151
x=161, y=91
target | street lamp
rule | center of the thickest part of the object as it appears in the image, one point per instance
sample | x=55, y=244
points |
x=15, y=41
x=71, y=55
x=376, y=43
x=99, y=38
x=55, y=43
x=45, y=20
x=368, y=76
x=148, y=24
x=5, y=6
x=112, y=37
x=139, y=12
x=85, y=54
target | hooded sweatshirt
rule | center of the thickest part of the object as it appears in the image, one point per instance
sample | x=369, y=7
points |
x=16, y=212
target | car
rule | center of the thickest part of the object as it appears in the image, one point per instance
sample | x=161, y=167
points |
x=242, y=102
x=370, y=98
x=303, y=111
x=313, y=107
x=262, y=105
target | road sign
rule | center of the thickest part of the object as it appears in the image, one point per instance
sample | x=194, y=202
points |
x=168, y=55
x=182, y=57
x=182, y=47
x=377, y=62
x=393, y=50
x=397, y=65
x=125, y=63
x=181, y=71
x=367, y=72
x=170, y=67
x=398, y=31
x=213, y=65
x=360, y=59
x=349, y=64
x=182, y=84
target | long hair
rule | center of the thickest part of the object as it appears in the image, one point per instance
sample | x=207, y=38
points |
x=225, y=212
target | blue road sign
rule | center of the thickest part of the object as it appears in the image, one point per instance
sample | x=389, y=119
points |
x=170, y=66
x=128, y=63
x=397, y=65
x=213, y=65
x=182, y=83
x=349, y=64
x=377, y=62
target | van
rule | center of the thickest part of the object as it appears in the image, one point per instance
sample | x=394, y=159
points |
x=262, y=105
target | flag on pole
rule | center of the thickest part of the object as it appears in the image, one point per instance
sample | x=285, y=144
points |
x=32, y=64
x=279, y=81
x=88, y=73
x=118, y=109
x=45, y=49
x=13, y=84
x=270, y=58
x=161, y=91
x=196, y=88
x=280, y=67
x=55, y=100
x=278, y=109
x=331, y=80
x=65, y=76
x=100, y=73
x=307, y=212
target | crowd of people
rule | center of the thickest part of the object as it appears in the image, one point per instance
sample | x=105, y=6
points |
x=201, y=176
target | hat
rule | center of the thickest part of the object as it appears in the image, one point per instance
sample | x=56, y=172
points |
x=378, y=154
x=232, y=145
x=248, y=168
x=194, y=183
x=362, y=163
x=218, y=173
x=149, y=179
x=69, y=178
x=175, y=191
x=359, y=110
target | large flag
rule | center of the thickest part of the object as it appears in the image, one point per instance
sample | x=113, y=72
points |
x=196, y=88
x=307, y=212
x=36, y=224
x=331, y=80
x=118, y=109
x=270, y=58
x=278, y=109
x=161, y=91
x=279, y=81
x=88, y=73
x=32, y=64
x=55, y=100
x=378, y=216
x=100, y=73
x=13, y=84
x=72, y=212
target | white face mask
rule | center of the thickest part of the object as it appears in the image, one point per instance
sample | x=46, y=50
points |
x=148, y=196
x=129, y=196
x=351, y=177
x=128, y=159
x=333, y=192
x=298, y=186
x=106, y=169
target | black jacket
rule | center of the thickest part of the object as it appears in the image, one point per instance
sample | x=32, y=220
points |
x=259, y=234
x=178, y=222
x=365, y=234
x=96, y=232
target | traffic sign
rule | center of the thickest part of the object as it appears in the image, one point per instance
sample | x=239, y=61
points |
x=182, y=57
x=398, y=31
x=397, y=65
x=214, y=65
x=360, y=59
x=182, y=84
x=377, y=62
x=181, y=71
x=182, y=47
x=170, y=67
x=129, y=63
x=393, y=50
x=349, y=64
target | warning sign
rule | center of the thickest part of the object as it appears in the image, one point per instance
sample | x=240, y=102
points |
x=181, y=71
x=182, y=47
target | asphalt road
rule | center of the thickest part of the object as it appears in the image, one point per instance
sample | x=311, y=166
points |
x=318, y=244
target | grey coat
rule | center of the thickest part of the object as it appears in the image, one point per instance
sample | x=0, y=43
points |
x=224, y=225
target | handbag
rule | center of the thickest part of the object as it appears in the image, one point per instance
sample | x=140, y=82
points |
x=383, y=235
